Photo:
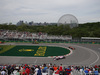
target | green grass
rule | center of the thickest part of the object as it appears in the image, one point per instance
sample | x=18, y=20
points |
x=30, y=51
x=6, y=48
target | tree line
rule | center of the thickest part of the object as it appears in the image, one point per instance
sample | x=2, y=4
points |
x=83, y=30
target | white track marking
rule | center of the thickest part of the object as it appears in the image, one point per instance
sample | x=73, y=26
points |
x=91, y=51
x=35, y=61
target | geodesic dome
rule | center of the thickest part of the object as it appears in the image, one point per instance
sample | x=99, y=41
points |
x=68, y=19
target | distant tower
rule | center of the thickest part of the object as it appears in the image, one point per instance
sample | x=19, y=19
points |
x=68, y=19
x=20, y=22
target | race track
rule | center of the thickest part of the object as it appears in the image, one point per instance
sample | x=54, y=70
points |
x=84, y=54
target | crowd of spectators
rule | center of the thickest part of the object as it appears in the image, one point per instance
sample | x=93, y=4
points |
x=48, y=69
x=16, y=34
x=27, y=35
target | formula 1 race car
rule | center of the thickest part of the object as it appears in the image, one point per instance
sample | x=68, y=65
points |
x=59, y=57
x=71, y=48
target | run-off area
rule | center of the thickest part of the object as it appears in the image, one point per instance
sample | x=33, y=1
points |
x=32, y=51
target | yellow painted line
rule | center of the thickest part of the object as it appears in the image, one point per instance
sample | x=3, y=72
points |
x=27, y=50
x=40, y=51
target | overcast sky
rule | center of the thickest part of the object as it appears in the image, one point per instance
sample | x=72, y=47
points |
x=48, y=10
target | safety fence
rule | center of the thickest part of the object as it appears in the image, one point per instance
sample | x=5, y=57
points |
x=53, y=42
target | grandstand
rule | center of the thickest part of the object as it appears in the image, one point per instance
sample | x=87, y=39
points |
x=8, y=35
x=15, y=35
x=90, y=39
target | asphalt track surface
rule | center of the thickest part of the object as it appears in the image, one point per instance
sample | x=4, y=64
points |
x=84, y=54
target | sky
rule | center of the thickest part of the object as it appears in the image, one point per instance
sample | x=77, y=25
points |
x=12, y=11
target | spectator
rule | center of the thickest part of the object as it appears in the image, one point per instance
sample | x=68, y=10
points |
x=9, y=70
x=68, y=70
x=36, y=70
x=3, y=72
x=18, y=73
x=39, y=71
x=15, y=70
x=86, y=71
x=50, y=72
x=57, y=72
x=44, y=68
x=22, y=71
x=33, y=69
x=64, y=72
x=96, y=72
x=55, y=67
x=60, y=68
x=27, y=71
x=81, y=71
x=99, y=69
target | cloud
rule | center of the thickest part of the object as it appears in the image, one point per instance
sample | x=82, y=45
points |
x=48, y=10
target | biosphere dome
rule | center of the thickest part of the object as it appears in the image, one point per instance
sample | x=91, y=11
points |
x=68, y=19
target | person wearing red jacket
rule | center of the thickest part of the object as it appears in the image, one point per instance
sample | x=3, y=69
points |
x=61, y=68
x=27, y=71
